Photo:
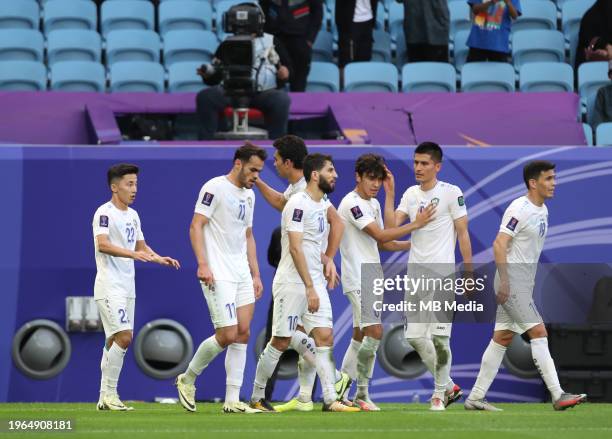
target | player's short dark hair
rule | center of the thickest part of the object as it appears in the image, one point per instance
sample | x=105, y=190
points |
x=292, y=148
x=248, y=150
x=532, y=170
x=431, y=148
x=119, y=170
x=315, y=162
x=371, y=165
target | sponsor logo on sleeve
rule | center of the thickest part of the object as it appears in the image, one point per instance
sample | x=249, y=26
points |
x=461, y=201
x=207, y=199
x=103, y=221
x=512, y=224
x=297, y=215
x=357, y=213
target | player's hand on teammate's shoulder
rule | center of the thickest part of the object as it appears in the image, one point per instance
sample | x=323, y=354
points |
x=206, y=276
x=313, y=299
x=257, y=287
x=425, y=216
x=142, y=256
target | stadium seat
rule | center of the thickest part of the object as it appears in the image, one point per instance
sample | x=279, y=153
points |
x=323, y=47
x=132, y=45
x=78, y=76
x=183, y=15
x=537, y=45
x=588, y=133
x=459, y=17
x=127, y=14
x=536, y=14
x=429, y=77
x=23, y=76
x=22, y=14
x=21, y=44
x=189, y=45
x=546, y=76
x=487, y=77
x=381, y=48
x=182, y=77
x=69, y=14
x=136, y=76
x=323, y=77
x=461, y=49
x=571, y=14
x=396, y=20
x=370, y=76
x=380, y=17
x=73, y=45
x=401, y=53
x=591, y=76
x=603, y=134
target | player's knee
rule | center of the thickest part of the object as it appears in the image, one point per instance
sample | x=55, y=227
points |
x=374, y=331
x=357, y=334
x=503, y=338
x=227, y=336
x=538, y=331
x=324, y=338
x=123, y=339
x=280, y=343
x=243, y=334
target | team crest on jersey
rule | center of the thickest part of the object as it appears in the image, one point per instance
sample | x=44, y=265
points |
x=250, y=201
x=460, y=201
x=103, y=221
x=542, y=228
x=207, y=199
x=357, y=213
x=297, y=215
x=435, y=201
x=512, y=224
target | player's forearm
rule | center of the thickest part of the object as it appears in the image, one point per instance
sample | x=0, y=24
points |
x=465, y=247
x=252, y=256
x=395, y=246
x=512, y=10
x=116, y=251
x=389, y=214
x=196, y=236
x=336, y=229
x=500, y=251
x=273, y=197
x=299, y=260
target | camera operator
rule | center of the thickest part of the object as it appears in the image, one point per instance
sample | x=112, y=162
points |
x=270, y=72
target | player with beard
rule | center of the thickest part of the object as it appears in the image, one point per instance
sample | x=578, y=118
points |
x=222, y=239
x=299, y=284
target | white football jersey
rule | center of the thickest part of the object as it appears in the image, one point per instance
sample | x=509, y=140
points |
x=229, y=210
x=303, y=214
x=434, y=243
x=115, y=275
x=527, y=224
x=294, y=188
x=357, y=247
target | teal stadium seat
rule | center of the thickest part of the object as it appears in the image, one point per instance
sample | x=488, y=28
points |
x=23, y=76
x=185, y=15
x=69, y=14
x=546, y=76
x=370, y=77
x=22, y=14
x=189, y=45
x=323, y=77
x=21, y=44
x=132, y=45
x=487, y=77
x=126, y=15
x=182, y=77
x=136, y=76
x=73, y=45
x=429, y=77
x=82, y=76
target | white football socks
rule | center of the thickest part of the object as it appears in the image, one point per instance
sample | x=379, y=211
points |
x=326, y=370
x=307, y=375
x=207, y=351
x=365, y=365
x=304, y=346
x=265, y=368
x=426, y=350
x=444, y=358
x=546, y=366
x=114, y=364
x=103, y=364
x=235, y=360
x=349, y=362
x=491, y=360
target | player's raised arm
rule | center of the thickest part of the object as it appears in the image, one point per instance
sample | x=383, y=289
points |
x=196, y=236
x=253, y=264
x=500, y=251
x=272, y=196
x=389, y=212
x=105, y=246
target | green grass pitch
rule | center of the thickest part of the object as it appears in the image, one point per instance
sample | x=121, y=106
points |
x=148, y=420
